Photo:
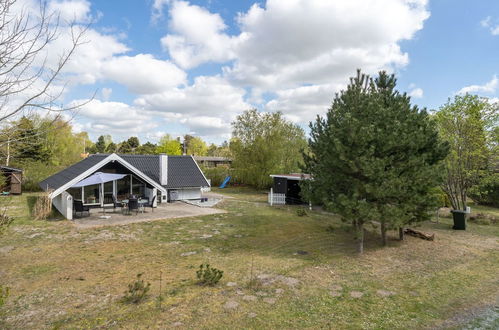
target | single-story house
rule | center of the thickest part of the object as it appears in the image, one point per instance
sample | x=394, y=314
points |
x=13, y=179
x=286, y=188
x=169, y=178
x=213, y=161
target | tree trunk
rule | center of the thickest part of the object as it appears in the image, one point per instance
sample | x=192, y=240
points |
x=383, y=233
x=401, y=233
x=360, y=237
x=7, y=158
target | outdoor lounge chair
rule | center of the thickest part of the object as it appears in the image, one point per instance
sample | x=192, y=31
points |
x=78, y=207
x=133, y=205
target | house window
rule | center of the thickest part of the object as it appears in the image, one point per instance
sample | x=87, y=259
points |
x=108, y=192
x=92, y=194
x=138, y=187
x=123, y=187
x=75, y=192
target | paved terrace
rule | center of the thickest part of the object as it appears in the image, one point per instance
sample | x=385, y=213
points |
x=163, y=211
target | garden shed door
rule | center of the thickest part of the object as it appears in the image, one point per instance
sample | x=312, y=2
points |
x=15, y=183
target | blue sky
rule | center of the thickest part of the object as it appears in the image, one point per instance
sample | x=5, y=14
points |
x=171, y=66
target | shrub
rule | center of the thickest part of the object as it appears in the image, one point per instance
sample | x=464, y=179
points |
x=5, y=221
x=43, y=207
x=486, y=192
x=137, y=291
x=208, y=275
x=301, y=212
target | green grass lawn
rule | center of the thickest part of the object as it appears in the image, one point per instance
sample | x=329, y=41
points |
x=280, y=271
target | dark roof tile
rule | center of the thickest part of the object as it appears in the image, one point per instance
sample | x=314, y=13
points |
x=57, y=180
x=182, y=170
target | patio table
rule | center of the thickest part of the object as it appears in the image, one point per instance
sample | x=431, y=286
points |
x=141, y=202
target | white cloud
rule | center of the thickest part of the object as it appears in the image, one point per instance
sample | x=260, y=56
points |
x=89, y=60
x=71, y=10
x=487, y=88
x=207, y=126
x=206, y=106
x=276, y=49
x=288, y=43
x=143, y=74
x=301, y=51
x=416, y=93
x=487, y=23
x=287, y=55
x=157, y=9
x=303, y=104
x=207, y=96
x=198, y=36
x=106, y=93
x=115, y=118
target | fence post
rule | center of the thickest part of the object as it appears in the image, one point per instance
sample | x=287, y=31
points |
x=271, y=196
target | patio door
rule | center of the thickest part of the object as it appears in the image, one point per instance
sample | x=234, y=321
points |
x=108, y=192
x=91, y=194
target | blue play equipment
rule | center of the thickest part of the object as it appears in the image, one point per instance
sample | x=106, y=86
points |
x=226, y=180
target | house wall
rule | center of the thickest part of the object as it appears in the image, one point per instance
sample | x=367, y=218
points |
x=150, y=193
x=186, y=193
x=64, y=204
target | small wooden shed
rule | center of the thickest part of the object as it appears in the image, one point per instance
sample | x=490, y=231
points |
x=288, y=185
x=13, y=180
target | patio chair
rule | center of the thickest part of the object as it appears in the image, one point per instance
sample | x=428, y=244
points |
x=78, y=207
x=116, y=204
x=151, y=204
x=133, y=205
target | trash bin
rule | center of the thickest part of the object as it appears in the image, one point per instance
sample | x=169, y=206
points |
x=459, y=219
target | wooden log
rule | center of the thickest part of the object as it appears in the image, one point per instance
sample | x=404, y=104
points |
x=420, y=234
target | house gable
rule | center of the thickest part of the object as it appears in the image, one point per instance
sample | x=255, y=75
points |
x=72, y=175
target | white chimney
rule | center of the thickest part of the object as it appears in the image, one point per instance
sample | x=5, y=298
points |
x=163, y=169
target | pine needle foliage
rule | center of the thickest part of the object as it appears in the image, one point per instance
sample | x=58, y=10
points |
x=375, y=157
x=208, y=275
x=137, y=291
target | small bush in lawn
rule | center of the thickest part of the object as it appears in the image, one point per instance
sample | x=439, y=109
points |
x=137, y=291
x=5, y=221
x=208, y=275
x=301, y=212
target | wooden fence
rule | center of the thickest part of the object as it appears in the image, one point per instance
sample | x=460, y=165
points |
x=276, y=199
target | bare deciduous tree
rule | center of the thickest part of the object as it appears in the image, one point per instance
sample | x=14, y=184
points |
x=27, y=80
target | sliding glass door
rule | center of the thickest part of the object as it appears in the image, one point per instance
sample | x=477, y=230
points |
x=108, y=192
x=123, y=187
x=91, y=194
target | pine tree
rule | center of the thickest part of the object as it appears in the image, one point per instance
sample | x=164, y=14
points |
x=374, y=156
x=100, y=145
